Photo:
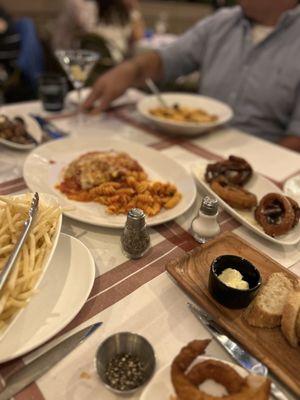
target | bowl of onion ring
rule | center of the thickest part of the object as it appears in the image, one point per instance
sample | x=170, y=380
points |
x=236, y=269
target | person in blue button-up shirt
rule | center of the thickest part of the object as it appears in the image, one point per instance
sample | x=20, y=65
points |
x=248, y=56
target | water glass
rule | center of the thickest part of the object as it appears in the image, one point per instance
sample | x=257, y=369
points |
x=52, y=91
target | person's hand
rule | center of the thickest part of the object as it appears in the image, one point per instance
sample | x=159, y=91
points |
x=108, y=87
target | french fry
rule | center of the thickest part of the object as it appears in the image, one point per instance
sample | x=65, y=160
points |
x=20, y=285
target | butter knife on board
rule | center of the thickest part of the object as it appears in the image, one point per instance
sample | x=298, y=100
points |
x=241, y=356
x=42, y=364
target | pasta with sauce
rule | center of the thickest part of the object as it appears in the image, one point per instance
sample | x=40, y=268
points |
x=118, y=182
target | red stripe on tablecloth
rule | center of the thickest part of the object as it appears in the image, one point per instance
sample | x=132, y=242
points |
x=201, y=152
x=230, y=225
x=12, y=182
x=13, y=189
x=137, y=124
x=32, y=392
x=116, y=293
x=129, y=267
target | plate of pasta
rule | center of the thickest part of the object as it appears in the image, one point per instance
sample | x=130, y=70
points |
x=99, y=181
x=186, y=114
x=35, y=256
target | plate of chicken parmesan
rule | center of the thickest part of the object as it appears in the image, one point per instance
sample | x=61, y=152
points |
x=99, y=181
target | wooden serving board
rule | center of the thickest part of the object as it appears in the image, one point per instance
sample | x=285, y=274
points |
x=268, y=345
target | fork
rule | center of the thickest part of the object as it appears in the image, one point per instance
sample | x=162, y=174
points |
x=16, y=251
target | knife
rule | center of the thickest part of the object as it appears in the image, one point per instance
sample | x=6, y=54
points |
x=42, y=364
x=241, y=356
x=4, y=274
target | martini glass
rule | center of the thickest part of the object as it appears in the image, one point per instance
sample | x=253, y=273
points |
x=77, y=65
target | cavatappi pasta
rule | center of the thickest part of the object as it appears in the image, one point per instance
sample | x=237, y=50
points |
x=183, y=114
x=118, y=182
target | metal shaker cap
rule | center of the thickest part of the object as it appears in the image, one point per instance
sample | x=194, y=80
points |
x=209, y=206
x=135, y=218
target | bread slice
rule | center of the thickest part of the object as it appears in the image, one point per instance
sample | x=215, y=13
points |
x=298, y=327
x=265, y=311
x=289, y=317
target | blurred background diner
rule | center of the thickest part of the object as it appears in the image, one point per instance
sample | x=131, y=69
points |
x=120, y=30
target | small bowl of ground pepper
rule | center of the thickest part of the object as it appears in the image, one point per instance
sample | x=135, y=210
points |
x=125, y=361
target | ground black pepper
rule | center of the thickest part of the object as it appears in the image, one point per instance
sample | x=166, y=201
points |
x=135, y=239
x=125, y=372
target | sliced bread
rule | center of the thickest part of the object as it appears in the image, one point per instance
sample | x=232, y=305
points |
x=265, y=311
x=298, y=327
x=289, y=317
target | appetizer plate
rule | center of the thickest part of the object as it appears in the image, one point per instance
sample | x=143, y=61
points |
x=258, y=185
x=44, y=166
x=33, y=129
x=193, y=101
x=59, y=299
x=50, y=200
x=292, y=187
x=160, y=387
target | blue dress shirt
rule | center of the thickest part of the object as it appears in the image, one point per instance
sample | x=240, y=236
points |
x=261, y=82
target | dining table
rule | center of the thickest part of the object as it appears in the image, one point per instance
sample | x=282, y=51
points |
x=138, y=295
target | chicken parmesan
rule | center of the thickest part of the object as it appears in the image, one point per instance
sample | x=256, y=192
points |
x=116, y=181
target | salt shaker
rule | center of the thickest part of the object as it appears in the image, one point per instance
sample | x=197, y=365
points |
x=135, y=239
x=205, y=226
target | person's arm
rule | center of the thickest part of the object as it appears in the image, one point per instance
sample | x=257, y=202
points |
x=182, y=57
x=115, y=82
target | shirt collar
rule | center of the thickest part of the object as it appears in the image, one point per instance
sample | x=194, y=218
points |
x=284, y=20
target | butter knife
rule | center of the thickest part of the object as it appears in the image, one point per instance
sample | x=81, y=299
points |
x=241, y=356
x=16, y=251
x=42, y=364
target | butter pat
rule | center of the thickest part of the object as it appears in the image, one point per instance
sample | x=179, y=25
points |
x=233, y=278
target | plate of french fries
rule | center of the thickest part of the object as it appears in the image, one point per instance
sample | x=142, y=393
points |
x=32, y=263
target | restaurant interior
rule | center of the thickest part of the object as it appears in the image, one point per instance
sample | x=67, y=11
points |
x=149, y=200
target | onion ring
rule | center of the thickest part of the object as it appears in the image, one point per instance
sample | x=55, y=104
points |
x=186, y=385
x=275, y=214
x=296, y=209
x=235, y=170
x=235, y=196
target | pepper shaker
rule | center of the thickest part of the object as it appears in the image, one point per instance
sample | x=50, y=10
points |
x=205, y=225
x=135, y=238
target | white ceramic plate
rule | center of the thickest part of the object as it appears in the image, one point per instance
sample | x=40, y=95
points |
x=33, y=129
x=130, y=96
x=50, y=200
x=292, y=187
x=58, y=301
x=160, y=387
x=258, y=185
x=42, y=175
x=212, y=106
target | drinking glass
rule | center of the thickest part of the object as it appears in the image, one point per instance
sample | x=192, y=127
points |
x=52, y=91
x=77, y=65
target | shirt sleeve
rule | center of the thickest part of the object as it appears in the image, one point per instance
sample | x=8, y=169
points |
x=185, y=55
x=294, y=125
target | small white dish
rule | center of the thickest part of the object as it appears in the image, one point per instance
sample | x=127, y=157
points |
x=62, y=293
x=50, y=200
x=292, y=187
x=160, y=387
x=32, y=128
x=43, y=171
x=193, y=101
x=258, y=185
